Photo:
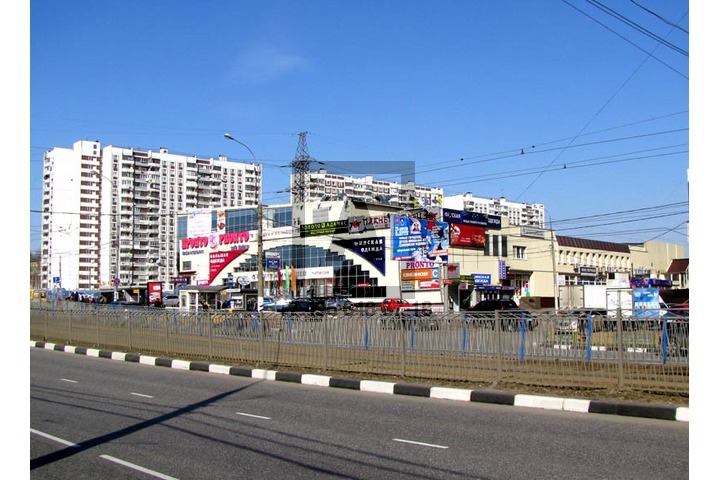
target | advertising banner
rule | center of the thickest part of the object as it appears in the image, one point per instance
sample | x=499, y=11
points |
x=463, y=217
x=646, y=302
x=420, y=240
x=220, y=260
x=467, y=236
x=199, y=222
x=371, y=249
x=419, y=276
x=221, y=222
x=154, y=292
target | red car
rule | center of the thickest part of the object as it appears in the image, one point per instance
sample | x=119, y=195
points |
x=389, y=305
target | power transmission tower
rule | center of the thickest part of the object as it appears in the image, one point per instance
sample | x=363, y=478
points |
x=300, y=168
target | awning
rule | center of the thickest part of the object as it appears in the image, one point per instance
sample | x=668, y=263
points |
x=678, y=266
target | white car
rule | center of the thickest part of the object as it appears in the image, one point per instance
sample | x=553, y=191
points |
x=171, y=300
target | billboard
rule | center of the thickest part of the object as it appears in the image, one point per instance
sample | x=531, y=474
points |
x=419, y=239
x=371, y=249
x=154, y=290
x=464, y=217
x=467, y=236
x=199, y=222
x=220, y=260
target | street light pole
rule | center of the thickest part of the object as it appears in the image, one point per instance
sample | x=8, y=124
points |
x=260, y=272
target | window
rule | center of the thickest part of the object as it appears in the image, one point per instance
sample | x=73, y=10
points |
x=519, y=253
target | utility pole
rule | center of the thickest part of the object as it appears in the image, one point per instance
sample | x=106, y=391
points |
x=300, y=168
x=260, y=272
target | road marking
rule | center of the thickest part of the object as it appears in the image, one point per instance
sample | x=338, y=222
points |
x=138, y=467
x=141, y=395
x=68, y=380
x=419, y=443
x=253, y=416
x=53, y=438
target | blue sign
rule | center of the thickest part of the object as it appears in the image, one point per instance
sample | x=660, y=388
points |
x=502, y=269
x=646, y=302
x=481, y=278
x=464, y=217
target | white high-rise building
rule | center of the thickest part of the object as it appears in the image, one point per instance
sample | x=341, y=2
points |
x=109, y=214
x=531, y=214
x=322, y=185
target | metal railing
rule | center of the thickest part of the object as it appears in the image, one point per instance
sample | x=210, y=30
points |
x=649, y=354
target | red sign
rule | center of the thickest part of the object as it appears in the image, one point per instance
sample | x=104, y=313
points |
x=213, y=241
x=220, y=260
x=467, y=235
x=154, y=292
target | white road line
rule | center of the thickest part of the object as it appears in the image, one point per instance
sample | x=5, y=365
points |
x=138, y=468
x=419, y=443
x=68, y=380
x=53, y=438
x=141, y=395
x=253, y=416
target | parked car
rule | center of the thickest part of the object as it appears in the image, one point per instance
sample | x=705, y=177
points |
x=390, y=305
x=269, y=303
x=171, y=300
x=338, y=303
x=307, y=305
x=510, y=314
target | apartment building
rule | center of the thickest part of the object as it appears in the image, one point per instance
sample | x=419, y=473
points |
x=517, y=213
x=109, y=213
x=322, y=185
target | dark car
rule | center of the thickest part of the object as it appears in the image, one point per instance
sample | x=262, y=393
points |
x=304, y=305
x=510, y=314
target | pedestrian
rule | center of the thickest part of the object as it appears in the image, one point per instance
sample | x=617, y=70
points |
x=204, y=305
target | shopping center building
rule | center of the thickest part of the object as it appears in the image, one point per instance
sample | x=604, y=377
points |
x=447, y=258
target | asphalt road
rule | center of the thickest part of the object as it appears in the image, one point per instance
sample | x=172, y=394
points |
x=99, y=418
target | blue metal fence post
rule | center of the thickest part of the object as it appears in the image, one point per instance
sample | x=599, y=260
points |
x=367, y=333
x=289, y=323
x=412, y=331
x=522, y=336
x=664, y=341
x=464, y=335
x=588, y=346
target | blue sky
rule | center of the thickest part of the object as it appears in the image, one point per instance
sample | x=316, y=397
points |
x=596, y=95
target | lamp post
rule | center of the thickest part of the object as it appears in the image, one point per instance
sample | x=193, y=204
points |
x=260, y=272
x=554, y=263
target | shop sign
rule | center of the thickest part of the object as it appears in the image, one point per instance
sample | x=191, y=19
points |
x=324, y=228
x=360, y=224
x=481, y=278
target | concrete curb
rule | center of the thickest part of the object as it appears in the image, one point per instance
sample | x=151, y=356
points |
x=661, y=412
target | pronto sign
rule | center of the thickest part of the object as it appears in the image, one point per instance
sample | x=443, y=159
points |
x=419, y=275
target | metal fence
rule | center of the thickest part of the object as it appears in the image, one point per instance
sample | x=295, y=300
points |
x=540, y=350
